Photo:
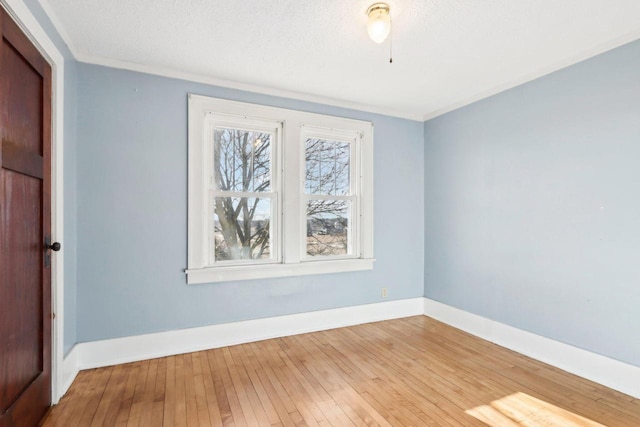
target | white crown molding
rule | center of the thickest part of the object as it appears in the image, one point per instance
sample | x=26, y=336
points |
x=199, y=78
x=214, y=81
x=209, y=80
x=582, y=56
x=601, y=369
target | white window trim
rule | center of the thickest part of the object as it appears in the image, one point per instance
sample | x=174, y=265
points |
x=292, y=222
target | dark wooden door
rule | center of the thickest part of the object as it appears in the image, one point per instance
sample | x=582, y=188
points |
x=25, y=222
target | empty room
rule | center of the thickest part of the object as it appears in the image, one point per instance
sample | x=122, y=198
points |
x=319, y=213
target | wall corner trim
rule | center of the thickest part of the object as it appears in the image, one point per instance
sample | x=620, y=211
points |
x=109, y=352
x=583, y=363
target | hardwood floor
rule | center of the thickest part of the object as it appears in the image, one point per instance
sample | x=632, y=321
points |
x=414, y=371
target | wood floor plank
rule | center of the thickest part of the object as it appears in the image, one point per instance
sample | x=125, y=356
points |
x=72, y=403
x=215, y=418
x=321, y=379
x=146, y=406
x=93, y=395
x=404, y=385
x=405, y=372
x=157, y=412
x=283, y=405
x=126, y=400
x=222, y=401
x=252, y=389
x=111, y=398
x=234, y=402
x=329, y=407
x=180, y=413
x=138, y=395
x=394, y=372
x=325, y=369
x=251, y=367
x=194, y=417
x=168, y=414
x=244, y=390
x=308, y=409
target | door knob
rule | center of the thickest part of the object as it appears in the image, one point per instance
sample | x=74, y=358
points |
x=55, y=246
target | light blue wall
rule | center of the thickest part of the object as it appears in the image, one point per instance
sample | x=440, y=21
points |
x=132, y=214
x=522, y=208
x=70, y=220
x=532, y=206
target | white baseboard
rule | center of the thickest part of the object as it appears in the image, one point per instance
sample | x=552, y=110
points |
x=601, y=369
x=130, y=349
x=70, y=369
x=609, y=372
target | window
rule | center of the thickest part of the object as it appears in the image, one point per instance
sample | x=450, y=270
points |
x=276, y=192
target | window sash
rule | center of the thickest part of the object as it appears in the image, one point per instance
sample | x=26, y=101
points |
x=354, y=139
x=213, y=122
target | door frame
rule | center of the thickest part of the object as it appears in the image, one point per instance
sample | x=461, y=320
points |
x=37, y=35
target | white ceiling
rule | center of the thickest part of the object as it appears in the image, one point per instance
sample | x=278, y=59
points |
x=446, y=53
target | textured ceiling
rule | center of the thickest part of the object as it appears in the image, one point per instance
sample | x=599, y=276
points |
x=446, y=53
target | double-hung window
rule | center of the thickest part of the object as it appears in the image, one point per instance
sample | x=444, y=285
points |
x=276, y=192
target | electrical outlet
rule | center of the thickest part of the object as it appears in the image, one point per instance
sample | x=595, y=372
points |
x=384, y=292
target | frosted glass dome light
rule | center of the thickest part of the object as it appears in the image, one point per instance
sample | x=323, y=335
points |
x=379, y=25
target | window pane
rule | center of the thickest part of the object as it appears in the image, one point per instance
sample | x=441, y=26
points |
x=242, y=228
x=242, y=160
x=328, y=222
x=327, y=167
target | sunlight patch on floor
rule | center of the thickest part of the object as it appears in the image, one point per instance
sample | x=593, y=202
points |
x=520, y=409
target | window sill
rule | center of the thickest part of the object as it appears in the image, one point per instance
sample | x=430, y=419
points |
x=267, y=271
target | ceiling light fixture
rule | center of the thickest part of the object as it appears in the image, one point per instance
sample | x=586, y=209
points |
x=379, y=25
